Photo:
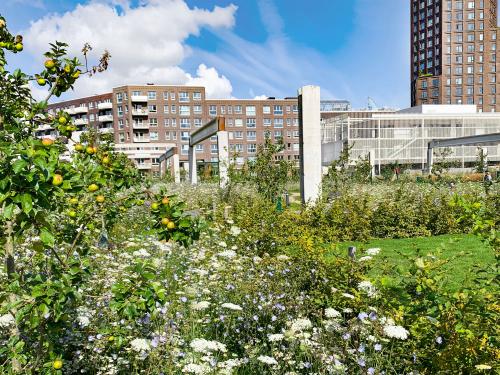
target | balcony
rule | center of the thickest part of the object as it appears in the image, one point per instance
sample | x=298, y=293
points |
x=139, y=112
x=106, y=118
x=107, y=130
x=78, y=110
x=140, y=125
x=103, y=106
x=141, y=140
x=81, y=121
x=143, y=166
x=139, y=98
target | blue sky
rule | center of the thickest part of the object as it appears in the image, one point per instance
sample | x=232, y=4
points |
x=244, y=49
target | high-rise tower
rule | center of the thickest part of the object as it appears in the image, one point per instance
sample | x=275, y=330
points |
x=454, y=53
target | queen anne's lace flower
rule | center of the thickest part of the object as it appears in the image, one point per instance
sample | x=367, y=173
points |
x=140, y=345
x=301, y=324
x=202, y=305
x=6, y=320
x=275, y=337
x=232, y=306
x=331, y=313
x=267, y=360
x=396, y=332
x=207, y=346
x=373, y=251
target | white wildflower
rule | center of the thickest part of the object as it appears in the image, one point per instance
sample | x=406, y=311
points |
x=347, y=295
x=301, y=324
x=368, y=288
x=363, y=259
x=396, y=332
x=6, y=320
x=140, y=345
x=235, y=231
x=193, y=368
x=199, y=306
x=275, y=337
x=142, y=253
x=227, y=254
x=283, y=257
x=267, y=360
x=232, y=306
x=332, y=313
x=222, y=244
x=207, y=346
x=483, y=367
x=373, y=251
x=83, y=321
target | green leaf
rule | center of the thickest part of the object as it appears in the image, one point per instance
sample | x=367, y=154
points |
x=8, y=211
x=26, y=203
x=19, y=165
x=47, y=237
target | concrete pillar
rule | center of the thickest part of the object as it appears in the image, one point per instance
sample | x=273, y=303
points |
x=193, y=172
x=177, y=169
x=430, y=159
x=310, y=143
x=484, y=152
x=371, y=158
x=223, y=150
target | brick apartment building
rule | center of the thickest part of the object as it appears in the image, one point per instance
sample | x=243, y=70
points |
x=454, y=53
x=147, y=120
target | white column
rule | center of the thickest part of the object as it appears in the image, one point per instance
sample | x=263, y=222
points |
x=177, y=169
x=310, y=143
x=193, y=173
x=223, y=147
x=430, y=159
x=371, y=158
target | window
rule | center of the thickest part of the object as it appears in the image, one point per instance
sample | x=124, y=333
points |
x=121, y=137
x=166, y=108
x=250, y=110
x=267, y=122
x=153, y=122
x=184, y=149
x=222, y=109
x=173, y=108
x=251, y=135
x=237, y=109
x=212, y=111
x=278, y=110
x=166, y=122
x=197, y=96
x=238, y=135
x=199, y=147
x=172, y=95
x=165, y=95
x=278, y=122
x=184, y=136
x=119, y=97
x=295, y=108
x=238, y=122
x=251, y=123
x=214, y=148
x=120, y=124
x=184, y=110
x=152, y=108
x=151, y=95
x=197, y=109
x=153, y=136
x=167, y=136
x=251, y=148
x=156, y=161
x=91, y=117
x=174, y=122
x=183, y=96
x=266, y=109
x=185, y=123
x=197, y=122
x=120, y=110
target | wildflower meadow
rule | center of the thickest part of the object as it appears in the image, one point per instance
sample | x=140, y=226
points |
x=110, y=272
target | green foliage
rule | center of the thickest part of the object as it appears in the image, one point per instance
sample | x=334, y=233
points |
x=171, y=222
x=269, y=175
x=443, y=163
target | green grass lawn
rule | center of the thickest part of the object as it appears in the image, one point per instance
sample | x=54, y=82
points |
x=463, y=251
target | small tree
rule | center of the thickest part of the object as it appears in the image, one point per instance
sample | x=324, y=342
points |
x=443, y=163
x=481, y=163
x=268, y=174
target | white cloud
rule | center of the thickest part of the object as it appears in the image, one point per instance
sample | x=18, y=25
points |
x=146, y=42
x=260, y=97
